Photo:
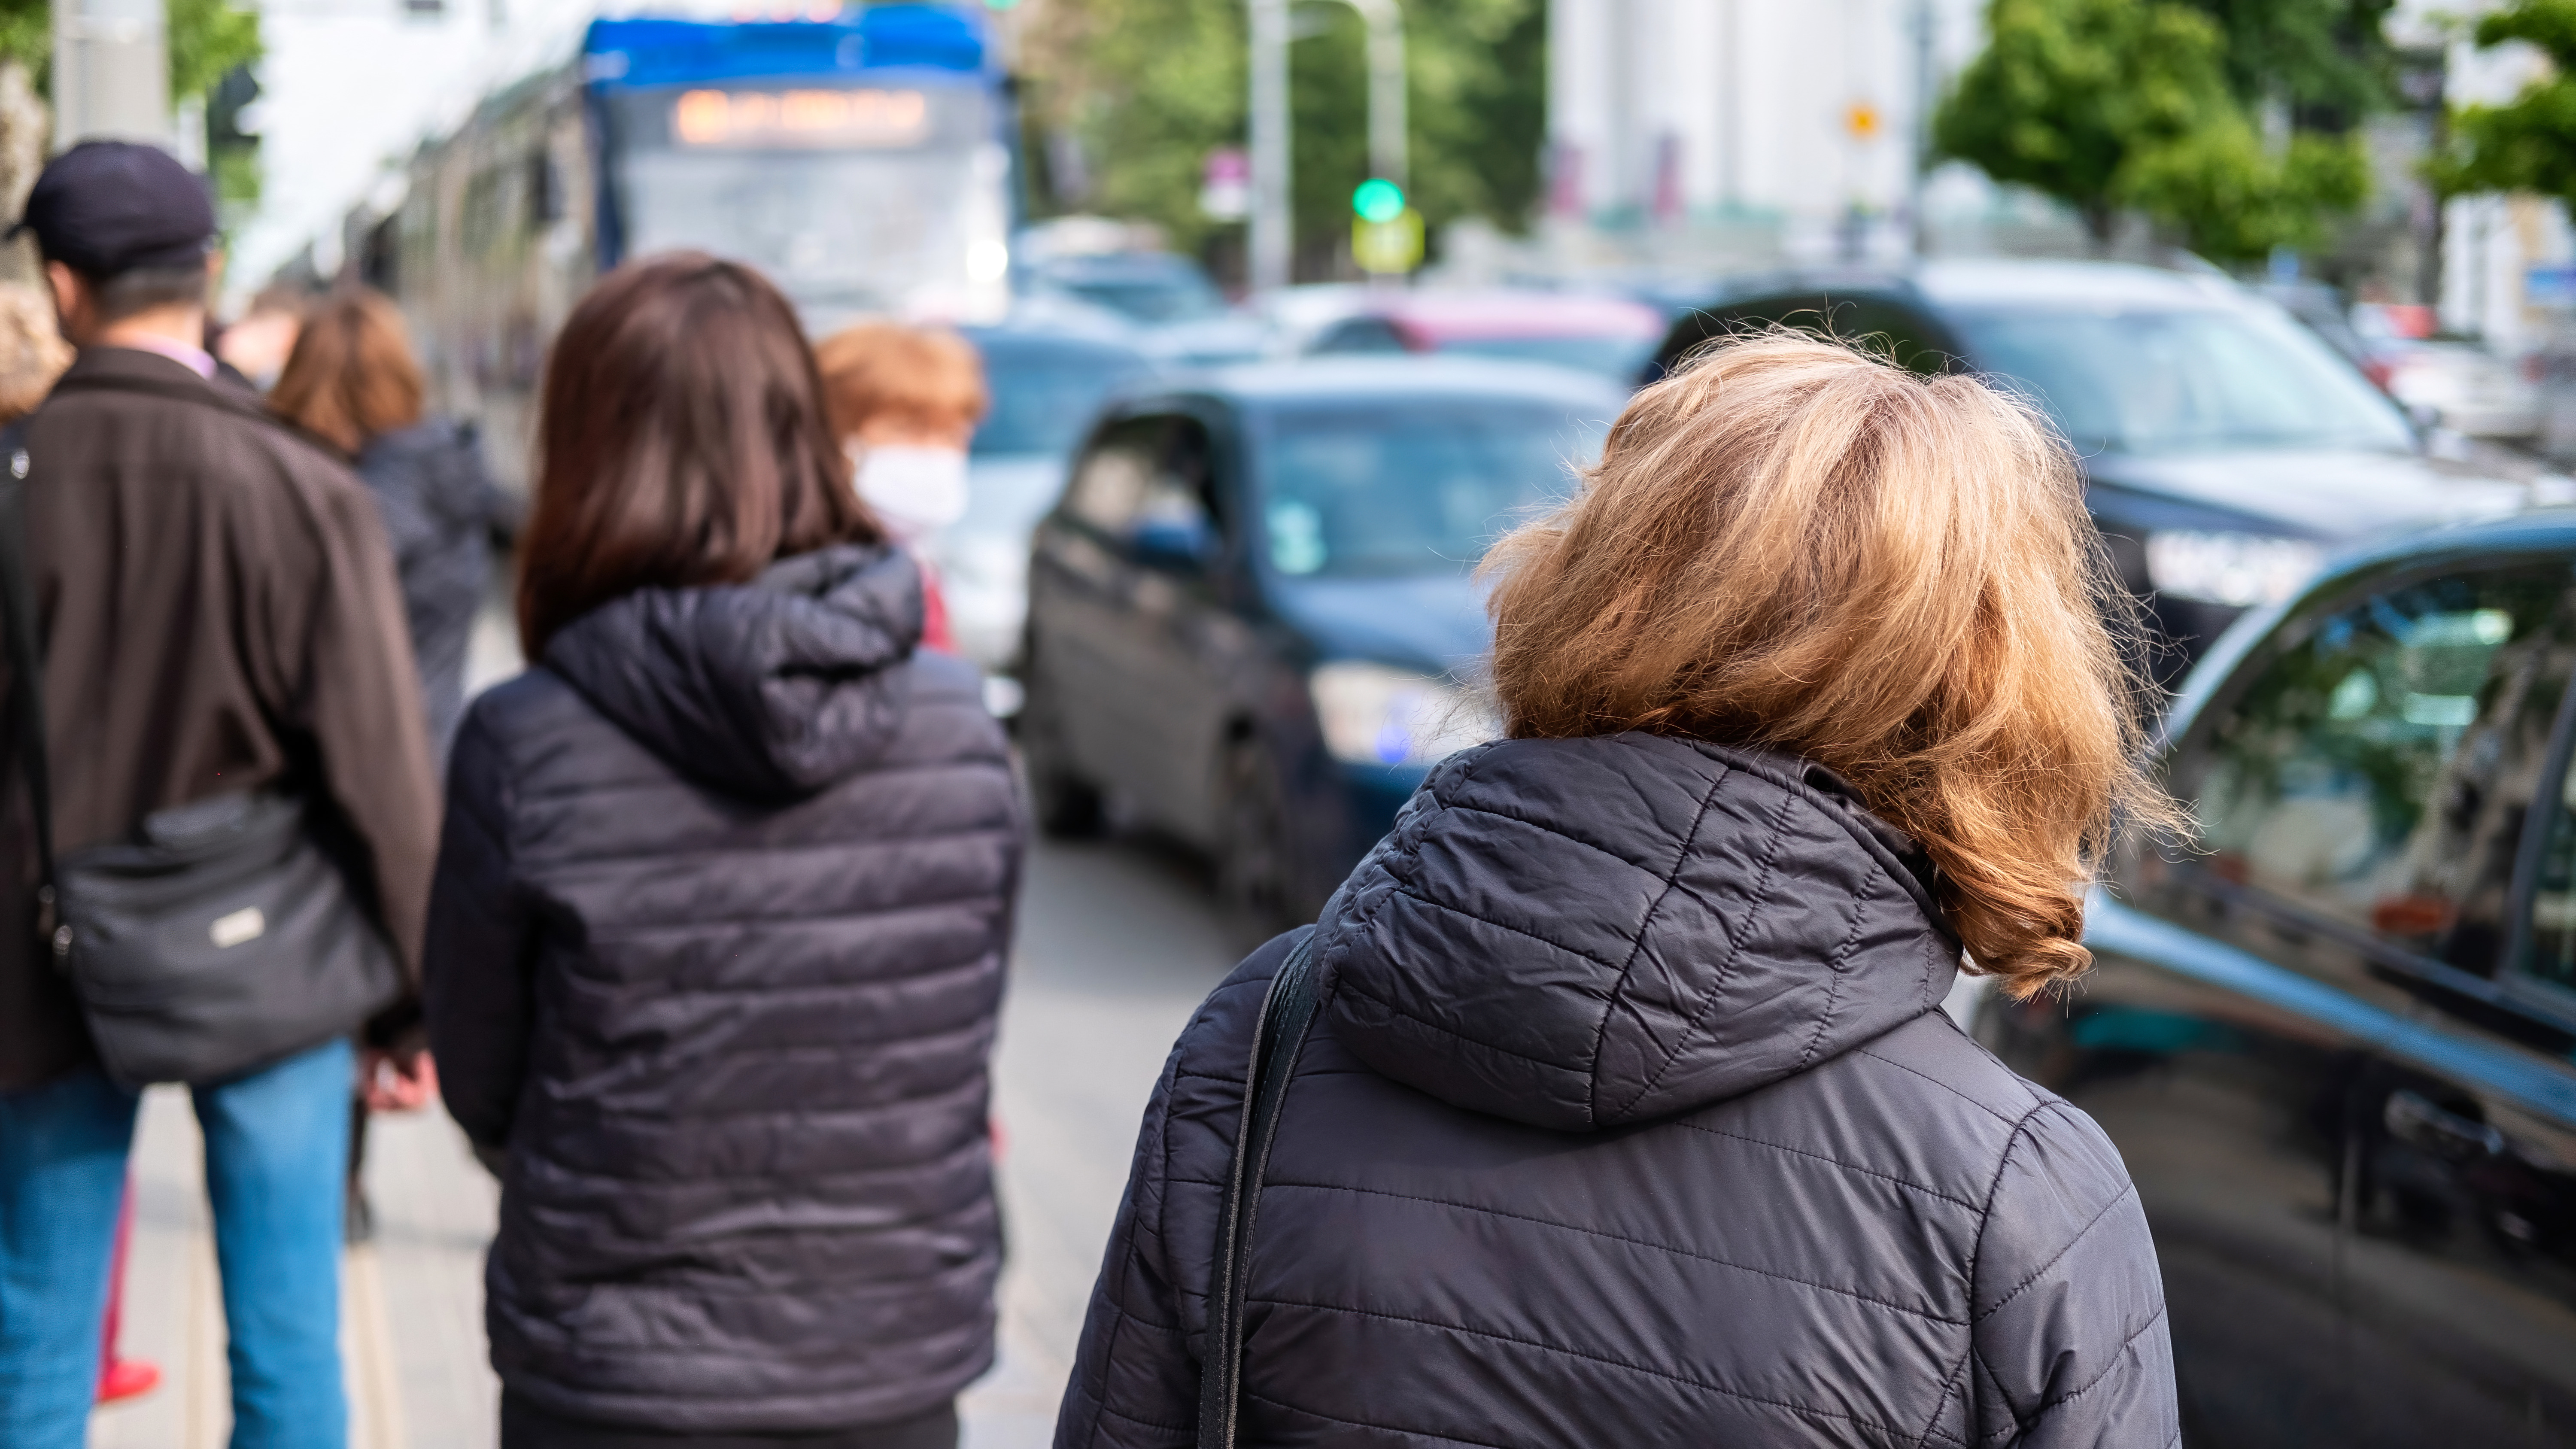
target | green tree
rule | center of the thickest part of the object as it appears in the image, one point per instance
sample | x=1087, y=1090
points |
x=1151, y=86
x=2115, y=105
x=206, y=39
x=2328, y=60
x=2528, y=144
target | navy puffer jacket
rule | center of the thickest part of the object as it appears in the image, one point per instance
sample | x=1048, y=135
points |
x=715, y=950
x=1631, y=1118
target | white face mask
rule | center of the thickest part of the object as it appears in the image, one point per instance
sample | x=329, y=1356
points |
x=914, y=491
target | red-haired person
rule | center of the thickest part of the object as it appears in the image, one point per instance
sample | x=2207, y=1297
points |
x=905, y=401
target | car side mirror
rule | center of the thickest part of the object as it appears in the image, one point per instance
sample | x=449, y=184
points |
x=1182, y=543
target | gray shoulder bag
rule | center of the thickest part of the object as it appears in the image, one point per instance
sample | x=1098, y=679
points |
x=221, y=937
x=1286, y=1015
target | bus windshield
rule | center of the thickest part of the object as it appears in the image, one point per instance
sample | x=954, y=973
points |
x=853, y=199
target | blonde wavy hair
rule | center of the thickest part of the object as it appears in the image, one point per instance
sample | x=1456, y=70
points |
x=1792, y=545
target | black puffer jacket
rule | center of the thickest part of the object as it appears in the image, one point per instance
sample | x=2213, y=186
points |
x=1630, y=1118
x=441, y=510
x=715, y=950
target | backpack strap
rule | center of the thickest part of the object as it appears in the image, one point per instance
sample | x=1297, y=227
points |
x=1286, y=1015
x=26, y=676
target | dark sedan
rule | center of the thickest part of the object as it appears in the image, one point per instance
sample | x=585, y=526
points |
x=2226, y=449
x=2333, y=1038
x=1251, y=614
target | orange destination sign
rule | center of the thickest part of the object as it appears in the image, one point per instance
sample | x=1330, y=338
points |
x=800, y=118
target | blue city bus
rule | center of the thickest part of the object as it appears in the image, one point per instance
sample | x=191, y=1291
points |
x=863, y=162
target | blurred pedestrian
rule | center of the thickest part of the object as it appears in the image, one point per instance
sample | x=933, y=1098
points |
x=353, y=382
x=33, y=353
x=904, y=401
x=256, y=344
x=221, y=631
x=1629, y=1113
x=720, y=918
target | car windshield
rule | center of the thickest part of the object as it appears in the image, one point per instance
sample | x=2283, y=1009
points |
x=1425, y=488
x=1174, y=296
x=2174, y=380
x=1044, y=397
x=1612, y=357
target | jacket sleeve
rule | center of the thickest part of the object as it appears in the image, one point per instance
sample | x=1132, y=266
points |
x=482, y=932
x=342, y=676
x=2070, y=1348
x=1135, y=1382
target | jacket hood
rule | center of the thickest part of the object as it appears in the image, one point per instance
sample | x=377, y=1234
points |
x=1583, y=933
x=771, y=689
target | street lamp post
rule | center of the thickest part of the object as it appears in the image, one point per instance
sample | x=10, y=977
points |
x=1273, y=229
x=1386, y=121
x=111, y=72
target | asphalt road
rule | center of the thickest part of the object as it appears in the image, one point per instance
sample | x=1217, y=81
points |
x=1117, y=942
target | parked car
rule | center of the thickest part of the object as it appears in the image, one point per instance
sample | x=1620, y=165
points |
x=1047, y=383
x=1611, y=336
x=1173, y=312
x=1250, y=614
x=2332, y=1037
x=2445, y=382
x=2226, y=449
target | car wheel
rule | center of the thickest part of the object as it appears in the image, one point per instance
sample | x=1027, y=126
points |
x=1067, y=806
x=1255, y=871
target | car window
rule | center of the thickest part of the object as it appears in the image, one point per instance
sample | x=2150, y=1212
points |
x=1361, y=334
x=2170, y=379
x=1152, y=474
x=2371, y=779
x=1380, y=490
x=1873, y=323
x=1043, y=397
x=1110, y=485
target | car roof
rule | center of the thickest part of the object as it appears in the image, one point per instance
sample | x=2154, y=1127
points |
x=1376, y=379
x=1988, y=281
x=1507, y=313
x=1026, y=338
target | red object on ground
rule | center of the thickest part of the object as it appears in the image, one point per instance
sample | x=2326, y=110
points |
x=122, y=1378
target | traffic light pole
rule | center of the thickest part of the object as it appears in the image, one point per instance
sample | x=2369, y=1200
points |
x=111, y=72
x=1386, y=120
x=1273, y=227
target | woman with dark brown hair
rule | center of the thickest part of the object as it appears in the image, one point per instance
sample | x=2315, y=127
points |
x=1629, y=1113
x=352, y=382
x=718, y=930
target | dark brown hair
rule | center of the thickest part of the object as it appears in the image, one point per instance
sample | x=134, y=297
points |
x=1793, y=545
x=683, y=443
x=351, y=376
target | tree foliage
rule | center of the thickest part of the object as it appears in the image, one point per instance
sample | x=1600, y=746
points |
x=2113, y=105
x=1151, y=86
x=2328, y=60
x=205, y=39
x=2528, y=144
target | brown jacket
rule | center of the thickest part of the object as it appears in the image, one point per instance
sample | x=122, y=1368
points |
x=219, y=612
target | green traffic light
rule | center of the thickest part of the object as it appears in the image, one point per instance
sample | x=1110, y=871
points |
x=1378, y=199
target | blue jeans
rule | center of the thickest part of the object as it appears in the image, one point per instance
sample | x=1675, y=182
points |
x=277, y=1154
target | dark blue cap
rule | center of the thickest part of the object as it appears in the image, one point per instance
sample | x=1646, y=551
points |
x=108, y=207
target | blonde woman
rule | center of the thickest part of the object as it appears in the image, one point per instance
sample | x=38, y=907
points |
x=1629, y=1115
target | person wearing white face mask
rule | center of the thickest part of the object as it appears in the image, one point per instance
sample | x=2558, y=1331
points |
x=905, y=401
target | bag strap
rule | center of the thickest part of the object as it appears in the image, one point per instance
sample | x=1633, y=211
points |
x=1286, y=1014
x=26, y=675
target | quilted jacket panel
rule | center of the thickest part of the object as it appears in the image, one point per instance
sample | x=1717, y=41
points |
x=1631, y=1118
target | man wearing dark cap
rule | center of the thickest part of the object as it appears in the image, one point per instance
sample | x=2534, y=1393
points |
x=218, y=612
